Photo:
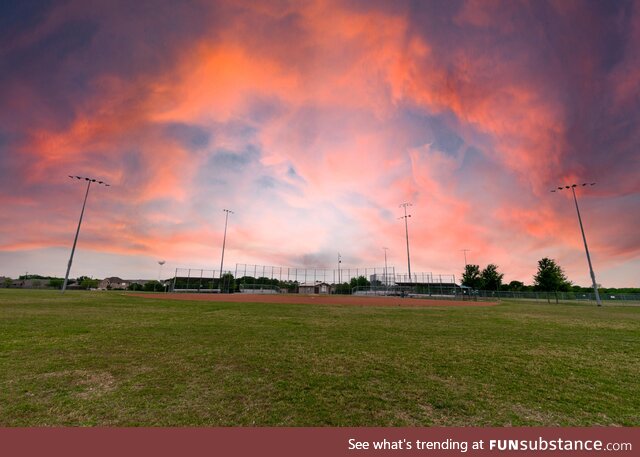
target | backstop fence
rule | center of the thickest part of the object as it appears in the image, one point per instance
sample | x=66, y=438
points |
x=314, y=275
x=200, y=280
x=274, y=279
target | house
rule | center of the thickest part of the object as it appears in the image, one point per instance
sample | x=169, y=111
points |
x=315, y=288
x=28, y=283
x=113, y=283
x=116, y=283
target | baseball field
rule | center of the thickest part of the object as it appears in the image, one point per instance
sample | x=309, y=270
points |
x=116, y=359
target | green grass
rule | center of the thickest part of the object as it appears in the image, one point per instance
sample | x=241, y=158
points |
x=108, y=359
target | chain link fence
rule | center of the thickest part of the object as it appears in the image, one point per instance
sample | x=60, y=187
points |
x=556, y=297
x=452, y=291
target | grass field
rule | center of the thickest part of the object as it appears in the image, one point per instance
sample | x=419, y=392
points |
x=100, y=358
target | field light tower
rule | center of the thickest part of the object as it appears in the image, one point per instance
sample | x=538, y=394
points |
x=406, y=230
x=386, y=280
x=160, y=262
x=75, y=240
x=465, y=256
x=586, y=248
x=224, y=241
x=339, y=262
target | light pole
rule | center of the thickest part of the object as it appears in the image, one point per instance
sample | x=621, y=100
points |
x=465, y=256
x=406, y=229
x=584, y=239
x=386, y=281
x=75, y=240
x=160, y=262
x=339, y=262
x=224, y=241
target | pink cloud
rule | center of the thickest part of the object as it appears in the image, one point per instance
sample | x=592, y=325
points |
x=305, y=110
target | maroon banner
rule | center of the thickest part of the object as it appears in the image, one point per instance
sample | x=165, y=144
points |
x=352, y=442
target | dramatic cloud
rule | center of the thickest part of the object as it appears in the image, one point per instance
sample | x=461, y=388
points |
x=313, y=121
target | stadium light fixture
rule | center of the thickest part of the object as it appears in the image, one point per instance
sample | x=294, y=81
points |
x=584, y=239
x=75, y=240
x=339, y=262
x=224, y=241
x=406, y=229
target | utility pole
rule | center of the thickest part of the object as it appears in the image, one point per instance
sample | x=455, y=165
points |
x=75, y=240
x=224, y=241
x=406, y=229
x=584, y=239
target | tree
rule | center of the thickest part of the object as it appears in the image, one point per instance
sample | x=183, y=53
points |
x=227, y=283
x=491, y=279
x=550, y=277
x=56, y=283
x=471, y=276
x=344, y=288
x=515, y=286
x=290, y=286
x=152, y=286
x=88, y=283
x=360, y=281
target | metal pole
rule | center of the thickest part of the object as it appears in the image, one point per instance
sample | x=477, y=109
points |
x=406, y=229
x=224, y=241
x=586, y=248
x=161, y=263
x=465, y=257
x=386, y=282
x=75, y=240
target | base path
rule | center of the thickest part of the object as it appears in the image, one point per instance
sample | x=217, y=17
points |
x=350, y=300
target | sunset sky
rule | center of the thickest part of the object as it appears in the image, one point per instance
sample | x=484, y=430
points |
x=313, y=121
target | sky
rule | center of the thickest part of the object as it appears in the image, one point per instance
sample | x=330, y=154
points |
x=313, y=121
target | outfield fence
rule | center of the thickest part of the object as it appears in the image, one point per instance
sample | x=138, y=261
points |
x=452, y=291
x=554, y=297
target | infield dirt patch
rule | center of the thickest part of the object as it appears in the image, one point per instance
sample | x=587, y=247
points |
x=349, y=300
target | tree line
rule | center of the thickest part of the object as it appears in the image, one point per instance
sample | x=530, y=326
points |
x=550, y=277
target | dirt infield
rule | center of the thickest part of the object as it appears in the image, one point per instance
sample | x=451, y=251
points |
x=349, y=300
